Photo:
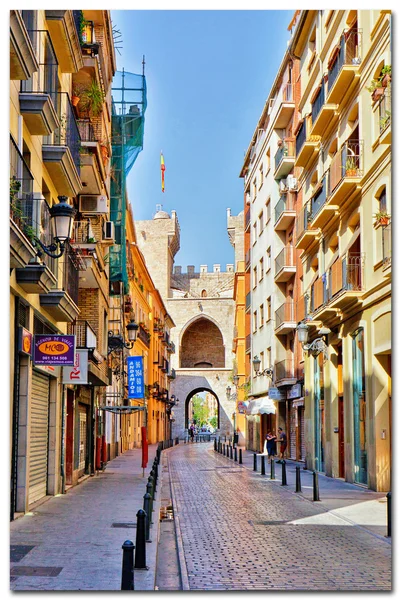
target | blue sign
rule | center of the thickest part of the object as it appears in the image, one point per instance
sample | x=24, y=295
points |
x=136, y=386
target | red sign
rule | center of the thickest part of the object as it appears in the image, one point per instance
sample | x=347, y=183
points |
x=25, y=341
x=144, y=448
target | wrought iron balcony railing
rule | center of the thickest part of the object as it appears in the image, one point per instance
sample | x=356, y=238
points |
x=86, y=130
x=320, y=197
x=319, y=101
x=284, y=369
x=285, y=203
x=385, y=110
x=85, y=335
x=45, y=80
x=67, y=134
x=349, y=53
x=386, y=237
x=346, y=163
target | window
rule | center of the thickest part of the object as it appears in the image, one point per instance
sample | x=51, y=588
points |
x=268, y=259
x=262, y=361
x=254, y=190
x=261, y=175
x=204, y=294
x=261, y=315
x=255, y=277
x=267, y=162
x=255, y=321
x=261, y=269
x=268, y=357
x=254, y=236
x=269, y=309
x=383, y=201
x=268, y=210
x=260, y=218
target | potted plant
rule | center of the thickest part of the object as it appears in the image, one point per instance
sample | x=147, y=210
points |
x=78, y=91
x=350, y=167
x=382, y=218
x=92, y=99
x=375, y=89
x=385, y=76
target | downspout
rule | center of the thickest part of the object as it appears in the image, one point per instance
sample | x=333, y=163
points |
x=62, y=454
x=14, y=450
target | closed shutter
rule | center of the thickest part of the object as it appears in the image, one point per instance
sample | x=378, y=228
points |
x=302, y=425
x=39, y=437
x=293, y=431
x=82, y=437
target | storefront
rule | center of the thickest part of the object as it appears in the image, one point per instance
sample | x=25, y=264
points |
x=260, y=418
x=296, y=436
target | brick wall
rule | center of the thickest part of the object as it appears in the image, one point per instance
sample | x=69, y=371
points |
x=202, y=342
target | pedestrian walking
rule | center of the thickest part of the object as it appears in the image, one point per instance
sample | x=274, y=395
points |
x=283, y=443
x=271, y=444
x=191, y=431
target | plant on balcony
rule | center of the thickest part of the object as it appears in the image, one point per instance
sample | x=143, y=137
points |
x=376, y=89
x=92, y=99
x=385, y=75
x=350, y=167
x=385, y=119
x=382, y=218
x=78, y=91
x=83, y=23
x=15, y=187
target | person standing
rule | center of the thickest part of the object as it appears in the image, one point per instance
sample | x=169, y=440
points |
x=271, y=445
x=192, y=432
x=283, y=443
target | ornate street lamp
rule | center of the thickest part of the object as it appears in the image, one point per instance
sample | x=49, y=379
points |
x=116, y=342
x=236, y=380
x=228, y=392
x=268, y=372
x=318, y=346
x=62, y=218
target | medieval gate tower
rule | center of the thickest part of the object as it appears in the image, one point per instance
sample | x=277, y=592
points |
x=202, y=307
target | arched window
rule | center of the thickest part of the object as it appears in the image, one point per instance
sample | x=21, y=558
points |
x=204, y=294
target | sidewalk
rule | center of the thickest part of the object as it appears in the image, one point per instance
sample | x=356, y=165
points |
x=80, y=534
x=353, y=503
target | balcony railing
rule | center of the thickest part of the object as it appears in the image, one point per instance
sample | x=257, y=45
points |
x=349, y=53
x=385, y=110
x=386, y=237
x=287, y=148
x=85, y=336
x=285, y=313
x=302, y=307
x=248, y=301
x=319, y=198
x=303, y=220
x=143, y=335
x=285, y=203
x=69, y=263
x=248, y=341
x=67, y=134
x=318, y=293
x=318, y=102
x=247, y=259
x=301, y=137
x=82, y=233
x=45, y=80
x=286, y=258
x=346, y=274
x=288, y=92
x=346, y=163
x=86, y=130
x=284, y=369
x=247, y=218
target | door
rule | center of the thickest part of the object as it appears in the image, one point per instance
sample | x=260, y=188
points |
x=39, y=435
x=360, y=416
x=83, y=438
x=69, y=452
x=341, y=448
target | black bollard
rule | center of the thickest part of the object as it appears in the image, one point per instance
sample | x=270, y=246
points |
x=224, y=449
x=262, y=465
x=127, y=576
x=240, y=456
x=235, y=454
x=298, y=479
x=315, y=487
x=146, y=508
x=272, y=468
x=151, y=482
x=283, y=473
x=255, y=462
x=231, y=452
x=140, y=543
x=149, y=490
x=388, y=496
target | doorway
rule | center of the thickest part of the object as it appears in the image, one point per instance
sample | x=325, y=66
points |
x=341, y=448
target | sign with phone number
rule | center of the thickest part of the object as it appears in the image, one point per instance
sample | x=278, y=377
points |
x=136, y=386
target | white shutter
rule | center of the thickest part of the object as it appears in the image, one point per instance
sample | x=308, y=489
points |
x=39, y=437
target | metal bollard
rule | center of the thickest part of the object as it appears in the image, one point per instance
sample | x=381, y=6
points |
x=149, y=490
x=127, y=576
x=140, y=543
x=272, y=468
x=388, y=496
x=298, y=479
x=235, y=454
x=146, y=508
x=262, y=465
x=283, y=473
x=315, y=487
x=231, y=452
x=255, y=462
x=240, y=456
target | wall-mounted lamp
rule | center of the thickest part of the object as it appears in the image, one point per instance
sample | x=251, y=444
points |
x=116, y=342
x=62, y=218
x=318, y=346
x=268, y=372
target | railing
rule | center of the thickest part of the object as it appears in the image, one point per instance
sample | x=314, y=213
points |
x=349, y=53
x=284, y=369
x=347, y=162
x=45, y=80
x=317, y=294
x=69, y=264
x=386, y=238
x=301, y=137
x=82, y=233
x=286, y=149
x=248, y=341
x=285, y=203
x=285, y=313
x=67, y=134
x=285, y=258
x=171, y=374
x=288, y=92
x=248, y=301
x=171, y=347
x=85, y=336
x=302, y=307
x=247, y=259
x=166, y=338
x=346, y=274
x=143, y=335
x=319, y=101
x=86, y=131
x=319, y=198
x=303, y=220
x=385, y=110
x=247, y=218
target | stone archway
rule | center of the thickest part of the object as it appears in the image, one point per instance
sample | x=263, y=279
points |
x=202, y=345
x=189, y=398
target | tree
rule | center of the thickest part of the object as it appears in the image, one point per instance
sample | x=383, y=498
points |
x=213, y=422
x=199, y=410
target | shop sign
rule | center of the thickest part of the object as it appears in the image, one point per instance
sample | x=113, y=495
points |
x=294, y=391
x=78, y=374
x=242, y=406
x=25, y=341
x=136, y=387
x=56, y=350
x=276, y=394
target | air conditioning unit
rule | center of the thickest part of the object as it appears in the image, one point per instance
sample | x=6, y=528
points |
x=108, y=231
x=93, y=204
x=283, y=185
x=292, y=183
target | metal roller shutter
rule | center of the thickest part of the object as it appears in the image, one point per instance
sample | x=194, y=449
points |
x=293, y=431
x=39, y=437
x=82, y=437
x=303, y=450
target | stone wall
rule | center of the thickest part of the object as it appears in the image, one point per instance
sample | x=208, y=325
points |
x=202, y=342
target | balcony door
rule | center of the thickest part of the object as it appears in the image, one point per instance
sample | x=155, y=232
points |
x=359, y=406
x=318, y=398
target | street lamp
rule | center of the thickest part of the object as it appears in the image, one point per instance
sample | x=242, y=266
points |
x=318, y=346
x=62, y=218
x=116, y=342
x=268, y=372
x=228, y=392
x=236, y=380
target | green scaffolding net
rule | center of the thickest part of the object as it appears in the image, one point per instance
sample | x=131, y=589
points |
x=128, y=119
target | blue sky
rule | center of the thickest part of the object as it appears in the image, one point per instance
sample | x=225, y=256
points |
x=208, y=74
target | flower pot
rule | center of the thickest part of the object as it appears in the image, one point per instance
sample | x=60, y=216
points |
x=75, y=100
x=384, y=221
x=105, y=154
x=351, y=173
x=386, y=80
x=378, y=93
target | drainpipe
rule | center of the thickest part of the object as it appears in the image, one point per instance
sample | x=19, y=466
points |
x=62, y=454
x=14, y=451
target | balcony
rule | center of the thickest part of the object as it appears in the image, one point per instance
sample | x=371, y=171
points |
x=60, y=151
x=171, y=348
x=321, y=210
x=323, y=113
x=248, y=301
x=91, y=265
x=305, y=235
x=94, y=63
x=93, y=175
x=386, y=239
x=23, y=62
x=285, y=372
x=248, y=343
x=171, y=374
x=285, y=318
x=165, y=366
x=346, y=281
x=284, y=212
x=344, y=66
x=247, y=219
x=144, y=335
x=62, y=304
x=306, y=145
x=284, y=159
x=302, y=307
x=345, y=172
x=65, y=38
x=84, y=334
x=38, y=95
x=286, y=106
x=247, y=260
x=385, y=117
x=83, y=235
x=285, y=265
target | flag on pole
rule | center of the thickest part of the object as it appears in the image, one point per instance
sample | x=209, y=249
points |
x=162, y=168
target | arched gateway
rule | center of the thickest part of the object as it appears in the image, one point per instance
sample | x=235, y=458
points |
x=189, y=399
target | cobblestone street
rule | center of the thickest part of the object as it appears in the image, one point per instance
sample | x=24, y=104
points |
x=242, y=531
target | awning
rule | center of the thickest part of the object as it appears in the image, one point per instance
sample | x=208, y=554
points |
x=261, y=406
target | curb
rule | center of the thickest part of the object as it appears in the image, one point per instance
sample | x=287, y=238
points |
x=178, y=536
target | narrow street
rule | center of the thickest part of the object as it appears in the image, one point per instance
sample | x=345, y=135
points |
x=242, y=531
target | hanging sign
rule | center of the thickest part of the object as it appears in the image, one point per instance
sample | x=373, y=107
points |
x=56, y=350
x=136, y=387
x=242, y=406
x=25, y=339
x=276, y=394
x=77, y=374
x=294, y=391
